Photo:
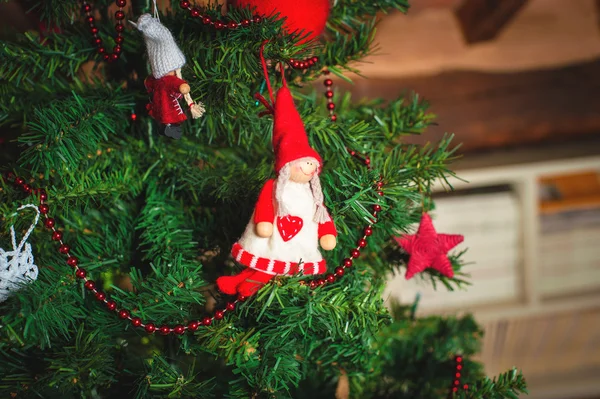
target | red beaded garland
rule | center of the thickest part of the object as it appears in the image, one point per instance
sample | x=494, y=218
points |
x=184, y=4
x=44, y=208
x=368, y=231
x=165, y=329
x=119, y=28
x=362, y=243
x=377, y=208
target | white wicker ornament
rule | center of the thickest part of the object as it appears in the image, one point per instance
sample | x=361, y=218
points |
x=16, y=266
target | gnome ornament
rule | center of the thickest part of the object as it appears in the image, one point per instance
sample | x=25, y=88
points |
x=166, y=86
x=289, y=220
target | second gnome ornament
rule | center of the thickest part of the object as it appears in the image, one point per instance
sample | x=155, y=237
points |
x=165, y=85
x=289, y=220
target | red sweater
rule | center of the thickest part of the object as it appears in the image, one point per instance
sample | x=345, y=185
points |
x=165, y=107
x=265, y=210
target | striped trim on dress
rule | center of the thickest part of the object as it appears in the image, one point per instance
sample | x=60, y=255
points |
x=271, y=266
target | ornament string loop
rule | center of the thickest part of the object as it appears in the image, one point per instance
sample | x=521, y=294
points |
x=28, y=232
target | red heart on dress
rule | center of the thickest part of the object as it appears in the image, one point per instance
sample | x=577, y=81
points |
x=289, y=226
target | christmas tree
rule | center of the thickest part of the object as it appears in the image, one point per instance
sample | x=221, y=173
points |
x=141, y=206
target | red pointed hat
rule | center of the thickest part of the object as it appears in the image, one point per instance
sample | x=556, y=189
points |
x=290, y=141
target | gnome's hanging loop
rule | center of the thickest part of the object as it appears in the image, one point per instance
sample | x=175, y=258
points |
x=166, y=85
x=16, y=266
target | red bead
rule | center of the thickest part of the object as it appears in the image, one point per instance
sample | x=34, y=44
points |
x=320, y=282
x=328, y=94
x=136, y=322
x=295, y=64
x=315, y=59
x=90, y=20
x=72, y=261
x=114, y=57
x=458, y=359
x=328, y=82
x=206, y=321
x=49, y=223
x=117, y=49
x=301, y=65
x=219, y=314
x=106, y=57
x=459, y=367
x=111, y=305
x=339, y=271
x=465, y=387
x=26, y=188
x=257, y=19
x=456, y=382
x=133, y=117
x=43, y=196
x=56, y=235
x=245, y=22
x=178, y=329
x=19, y=181
x=377, y=208
x=119, y=27
x=333, y=118
x=193, y=326
x=379, y=184
x=355, y=253
x=101, y=50
x=64, y=249
x=242, y=298
x=101, y=296
x=123, y=313
x=362, y=243
x=89, y=285
x=312, y=284
x=347, y=262
x=455, y=389
x=44, y=208
x=230, y=306
x=150, y=328
x=219, y=25
x=330, y=278
x=80, y=273
x=119, y=15
x=119, y=39
x=331, y=106
x=380, y=193
x=368, y=231
x=87, y=8
x=195, y=13
x=368, y=161
x=184, y=4
x=121, y=3
x=206, y=21
x=232, y=25
x=97, y=41
x=164, y=329
x=457, y=375
x=94, y=31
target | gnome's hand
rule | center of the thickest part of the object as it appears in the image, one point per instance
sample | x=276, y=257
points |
x=328, y=242
x=184, y=88
x=264, y=229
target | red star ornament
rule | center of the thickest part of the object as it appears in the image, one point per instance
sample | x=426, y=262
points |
x=427, y=249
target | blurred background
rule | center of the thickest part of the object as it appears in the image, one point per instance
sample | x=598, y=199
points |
x=518, y=83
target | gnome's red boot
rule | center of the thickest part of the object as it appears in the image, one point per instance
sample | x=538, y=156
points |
x=254, y=283
x=229, y=284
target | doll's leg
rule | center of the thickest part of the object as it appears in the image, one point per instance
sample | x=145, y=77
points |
x=253, y=283
x=229, y=284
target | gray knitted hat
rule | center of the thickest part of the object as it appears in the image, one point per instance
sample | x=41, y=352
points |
x=163, y=53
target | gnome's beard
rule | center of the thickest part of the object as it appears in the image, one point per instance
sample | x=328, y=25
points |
x=321, y=215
